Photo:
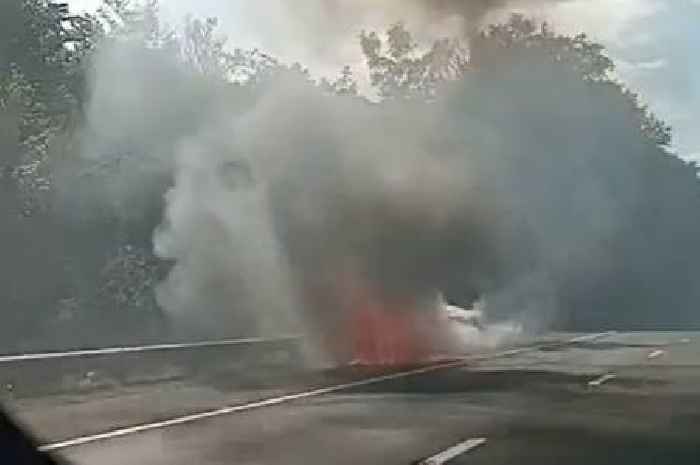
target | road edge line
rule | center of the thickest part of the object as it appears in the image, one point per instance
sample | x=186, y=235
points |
x=128, y=430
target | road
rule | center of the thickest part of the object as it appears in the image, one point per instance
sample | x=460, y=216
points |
x=618, y=398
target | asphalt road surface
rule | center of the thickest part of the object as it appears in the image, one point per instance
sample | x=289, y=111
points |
x=616, y=398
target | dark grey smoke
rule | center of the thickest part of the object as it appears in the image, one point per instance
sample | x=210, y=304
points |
x=522, y=184
x=346, y=195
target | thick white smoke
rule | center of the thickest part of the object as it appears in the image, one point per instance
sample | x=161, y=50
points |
x=229, y=273
x=295, y=192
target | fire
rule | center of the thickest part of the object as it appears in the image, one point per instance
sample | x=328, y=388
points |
x=386, y=336
x=386, y=331
x=372, y=328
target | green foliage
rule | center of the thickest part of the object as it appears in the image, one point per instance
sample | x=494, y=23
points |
x=128, y=279
x=41, y=85
x=519, y=33
x=599, y=206
x=343, y=85
x=521, y=39
x=202, y=50
x=400, y=70
x=45, y=48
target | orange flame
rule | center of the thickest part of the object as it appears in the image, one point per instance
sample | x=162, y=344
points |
x=373, y=329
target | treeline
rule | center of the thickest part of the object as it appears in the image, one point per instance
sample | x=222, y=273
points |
x=83, y=169
x=596, y=213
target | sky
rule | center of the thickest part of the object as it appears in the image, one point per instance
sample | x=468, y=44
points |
x=653, y=42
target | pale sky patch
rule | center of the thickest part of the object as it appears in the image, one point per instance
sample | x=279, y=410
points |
x=654, y=42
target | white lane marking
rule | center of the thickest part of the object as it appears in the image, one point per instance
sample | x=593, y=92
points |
x=510, y=352
x=685, y=340
x=277, y=400
x=656, y=353
x=148, y=348
x=243, y=407
x=598, y=381
x=454, y=451
x=218, y=343
x=591, y=337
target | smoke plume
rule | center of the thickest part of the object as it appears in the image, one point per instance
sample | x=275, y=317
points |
x=345, y=204
x=290, y=207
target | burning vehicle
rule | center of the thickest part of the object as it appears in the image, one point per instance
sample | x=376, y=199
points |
x=412, y=333
x=473, y=317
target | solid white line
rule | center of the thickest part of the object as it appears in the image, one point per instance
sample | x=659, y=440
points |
x=147, y=348
x=454, y=451
x=508, y=353
x=218, y=343
x=656, y=353
x=240, y=408
x=598, y=381
x=592, y=337
x=276, y=400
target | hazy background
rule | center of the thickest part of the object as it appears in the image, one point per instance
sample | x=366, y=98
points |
x=651, y=40
x=149, y=194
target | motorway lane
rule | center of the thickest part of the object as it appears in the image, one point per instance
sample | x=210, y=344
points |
x=338, y=429
x=534, y=407
x=62, y=416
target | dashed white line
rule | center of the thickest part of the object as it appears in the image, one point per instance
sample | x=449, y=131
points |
x=656, y=353
x=284, y=399
x=454, y=451
x=602, y=379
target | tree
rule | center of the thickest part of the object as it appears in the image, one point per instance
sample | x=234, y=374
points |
x=521, y=39
x=206, y=52
x=41, y=79
x=398, y=69
x=344, y=85
x=202, y=50
x=41, y=84
x=45, y=55
x=600, y=214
